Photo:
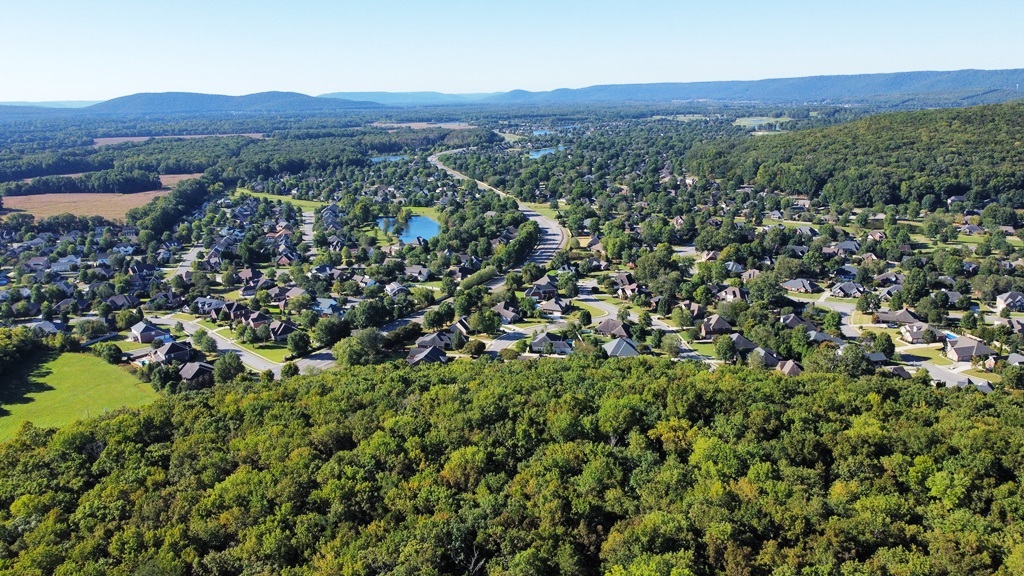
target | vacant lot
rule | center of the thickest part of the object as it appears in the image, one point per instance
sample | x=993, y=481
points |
x=56, y=390
x=98, y=142
x=110, y=206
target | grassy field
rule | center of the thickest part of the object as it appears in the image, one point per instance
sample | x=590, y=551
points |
x=301, y=204
x=542, y=209
x=110, y=206
x=272, y=352
x=595, y=312
x=128, y=345
x=921, y=354
x=56, y=390
x=429, y=211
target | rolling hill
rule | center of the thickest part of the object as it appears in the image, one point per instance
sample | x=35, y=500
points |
x=192, y=103
x=961, y=86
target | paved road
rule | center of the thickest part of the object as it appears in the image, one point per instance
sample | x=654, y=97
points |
x=553, y=236
x=186, y=261
x=307, y=231
x=257, y=363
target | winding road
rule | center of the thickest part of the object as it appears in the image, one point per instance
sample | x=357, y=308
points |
x=553, y=236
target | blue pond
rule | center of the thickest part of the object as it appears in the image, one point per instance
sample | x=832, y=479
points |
x=541, y=132
x=545, y=151
x=379, y=159
x=417, y=226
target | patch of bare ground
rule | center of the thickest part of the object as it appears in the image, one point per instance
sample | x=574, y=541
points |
x=98, y=142
x=424, y=125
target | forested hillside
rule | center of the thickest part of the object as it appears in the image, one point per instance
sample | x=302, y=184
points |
x=898, y=158
x=574, y=467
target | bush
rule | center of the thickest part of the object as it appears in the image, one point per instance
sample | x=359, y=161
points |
x=108, y=351
x=474, y=348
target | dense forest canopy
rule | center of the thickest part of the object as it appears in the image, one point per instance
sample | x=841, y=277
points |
x=925, y=157
x=577, y=467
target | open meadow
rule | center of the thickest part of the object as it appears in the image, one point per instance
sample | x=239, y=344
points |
x=58, y=389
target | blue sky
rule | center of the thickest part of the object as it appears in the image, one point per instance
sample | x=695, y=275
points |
x=79, y=50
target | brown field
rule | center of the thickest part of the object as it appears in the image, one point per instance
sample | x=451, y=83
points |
x=98, y=142
x=169, y=180
x=110, y=206
x=424, y=125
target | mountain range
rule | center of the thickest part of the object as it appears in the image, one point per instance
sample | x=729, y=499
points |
x=902, y=89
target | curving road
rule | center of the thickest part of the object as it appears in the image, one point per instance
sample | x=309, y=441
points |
x=552, y=236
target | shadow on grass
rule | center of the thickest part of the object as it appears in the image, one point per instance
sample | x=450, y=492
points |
x=25, y=380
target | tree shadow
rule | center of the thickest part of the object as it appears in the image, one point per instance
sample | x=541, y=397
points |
x=26, y=379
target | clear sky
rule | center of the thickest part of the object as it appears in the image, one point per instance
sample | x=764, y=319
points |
x=94, y=50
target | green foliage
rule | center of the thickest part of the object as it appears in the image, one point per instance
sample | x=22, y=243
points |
x=634, y=466
x=108, y=351
x=363, y=347
x=227, y=367
x=888, y=159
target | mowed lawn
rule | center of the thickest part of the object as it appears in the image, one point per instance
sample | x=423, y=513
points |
x=55, y=390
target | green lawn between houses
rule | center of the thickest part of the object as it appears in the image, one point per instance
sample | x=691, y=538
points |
x=55, y=390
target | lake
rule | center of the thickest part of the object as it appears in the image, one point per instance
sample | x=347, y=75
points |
x=541, y=132
x=545, y=151
x=417, y=226
x=379, y=159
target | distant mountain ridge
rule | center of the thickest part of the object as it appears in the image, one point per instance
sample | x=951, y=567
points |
x=412, y=98
x=900, y=89
x=982, y=85
x=194, y=103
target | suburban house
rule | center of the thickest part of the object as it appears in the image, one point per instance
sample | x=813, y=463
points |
x=442, y=340
x=544, y=288
x=966, y=349
x=792, y=321
x=196, y=372
x=509, y=314
x=171, y=352
x=902, y=316
x=847, y=290
x=916, y=333
x=1013, y=300
x=714, y=325
x=553, y=343
x=612, y=327
x=280, y=331
x=428, y=355
x=144, y=332
x=620, y=348
x=800, y=285
x=789, y=368
x=555, y=307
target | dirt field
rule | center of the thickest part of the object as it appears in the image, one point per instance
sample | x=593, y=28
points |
x=110, y=206
x=98, y=142
x=424, y=125
x=169, y=180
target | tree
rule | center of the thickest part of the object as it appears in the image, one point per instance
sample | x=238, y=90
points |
x=868, y=303
x=289, y=370
x=363, y=347
x=227, y=367
x=474, y=348
x=1013, y=377
x=833, y=320
x=329, y=330
x=298, y=343
x=725, y=349
x=883, y=343
x=108, y=351
x=485, y=321
x=585, y=318
x=852, y=361
x=262, y=334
